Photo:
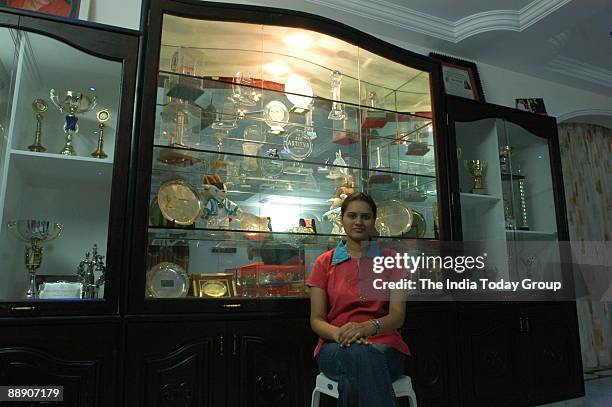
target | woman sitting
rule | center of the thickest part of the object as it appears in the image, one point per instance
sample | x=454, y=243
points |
x=359, y=345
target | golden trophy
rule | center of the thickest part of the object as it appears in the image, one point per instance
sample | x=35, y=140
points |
x=40, y=107
x=477, y=169
x=103, y=116
x=71, y=103
x=34, y=233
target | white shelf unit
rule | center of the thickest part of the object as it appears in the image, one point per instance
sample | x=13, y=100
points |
x=71, y=190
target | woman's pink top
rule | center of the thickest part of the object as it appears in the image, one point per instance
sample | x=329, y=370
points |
x=350, y=293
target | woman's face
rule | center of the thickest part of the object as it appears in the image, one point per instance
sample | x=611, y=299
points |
x=358, y=221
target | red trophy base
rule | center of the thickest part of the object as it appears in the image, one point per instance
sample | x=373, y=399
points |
x=373, y=120
x=380, y=179
x=345, y=138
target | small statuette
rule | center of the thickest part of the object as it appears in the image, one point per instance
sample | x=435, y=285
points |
x=103, y=116
x=86, y=272
x=40, y=107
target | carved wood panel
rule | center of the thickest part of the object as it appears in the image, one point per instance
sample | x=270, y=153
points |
x=272, y=364
x=76, y=354
x=429, y=334
x=175, y=364
x=554, y=361
x=490, y=355
x=81, y=379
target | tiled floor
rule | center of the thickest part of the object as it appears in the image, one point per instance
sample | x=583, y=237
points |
x=598, y=392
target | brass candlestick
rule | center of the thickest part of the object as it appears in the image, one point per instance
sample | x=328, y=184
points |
x=40, y=107
x=103, y=116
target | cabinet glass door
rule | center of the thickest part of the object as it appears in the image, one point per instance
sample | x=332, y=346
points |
x=529, y=203
x=59, y=114
x=508, y=203
x=260, y=133
x=480, y=188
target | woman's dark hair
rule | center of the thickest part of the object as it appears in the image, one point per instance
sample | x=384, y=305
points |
x=358, y=196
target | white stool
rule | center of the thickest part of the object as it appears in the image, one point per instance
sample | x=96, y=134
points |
x=402, y=388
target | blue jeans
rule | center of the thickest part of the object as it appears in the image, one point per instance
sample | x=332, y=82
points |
x=364, y=373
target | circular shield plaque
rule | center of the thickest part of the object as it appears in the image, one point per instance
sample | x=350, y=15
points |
x=298, y=145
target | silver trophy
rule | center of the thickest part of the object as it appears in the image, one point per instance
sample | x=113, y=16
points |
x=87, y=270
x=71, y=103
x=35, y=233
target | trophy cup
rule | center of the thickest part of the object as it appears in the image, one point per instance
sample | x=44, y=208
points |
x=71, y=103
x=40, y=107
x=34, y=233
x=477, y=169
x=337, y=110
x=103, y=116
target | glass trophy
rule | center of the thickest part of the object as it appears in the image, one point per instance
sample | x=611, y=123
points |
x=299, y=92
x=181, y=118
x=276, y=116
x=244, y=91
x=298, y=145
x=72, y=103
x=371, y=118
x=272, y=167
x=337, y=110
x=34, y=233
x=382, y=163
x=309, y=124
x=226, y=117
x=252, y=133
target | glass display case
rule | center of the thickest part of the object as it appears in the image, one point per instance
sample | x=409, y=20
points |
x=65, y=129
x=260, y=132
x=509, y=189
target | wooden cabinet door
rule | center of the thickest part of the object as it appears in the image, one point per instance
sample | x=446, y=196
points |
x=490, y=356
x=175, y=364
x=272, y=364
x=81, y=357
x=554, y=364
x=429, y=333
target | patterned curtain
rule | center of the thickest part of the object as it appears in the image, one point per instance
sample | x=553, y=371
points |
x=586, y=156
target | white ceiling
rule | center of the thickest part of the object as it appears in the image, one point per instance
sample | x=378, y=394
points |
x=565, y=41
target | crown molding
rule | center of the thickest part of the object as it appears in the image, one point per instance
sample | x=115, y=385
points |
x=452, y=31
x=581, y=70
x=583, y=112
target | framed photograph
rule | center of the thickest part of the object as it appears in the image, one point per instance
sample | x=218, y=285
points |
x=460, y=77
x=533, y=105
x=63, y=8
x=217, y=285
